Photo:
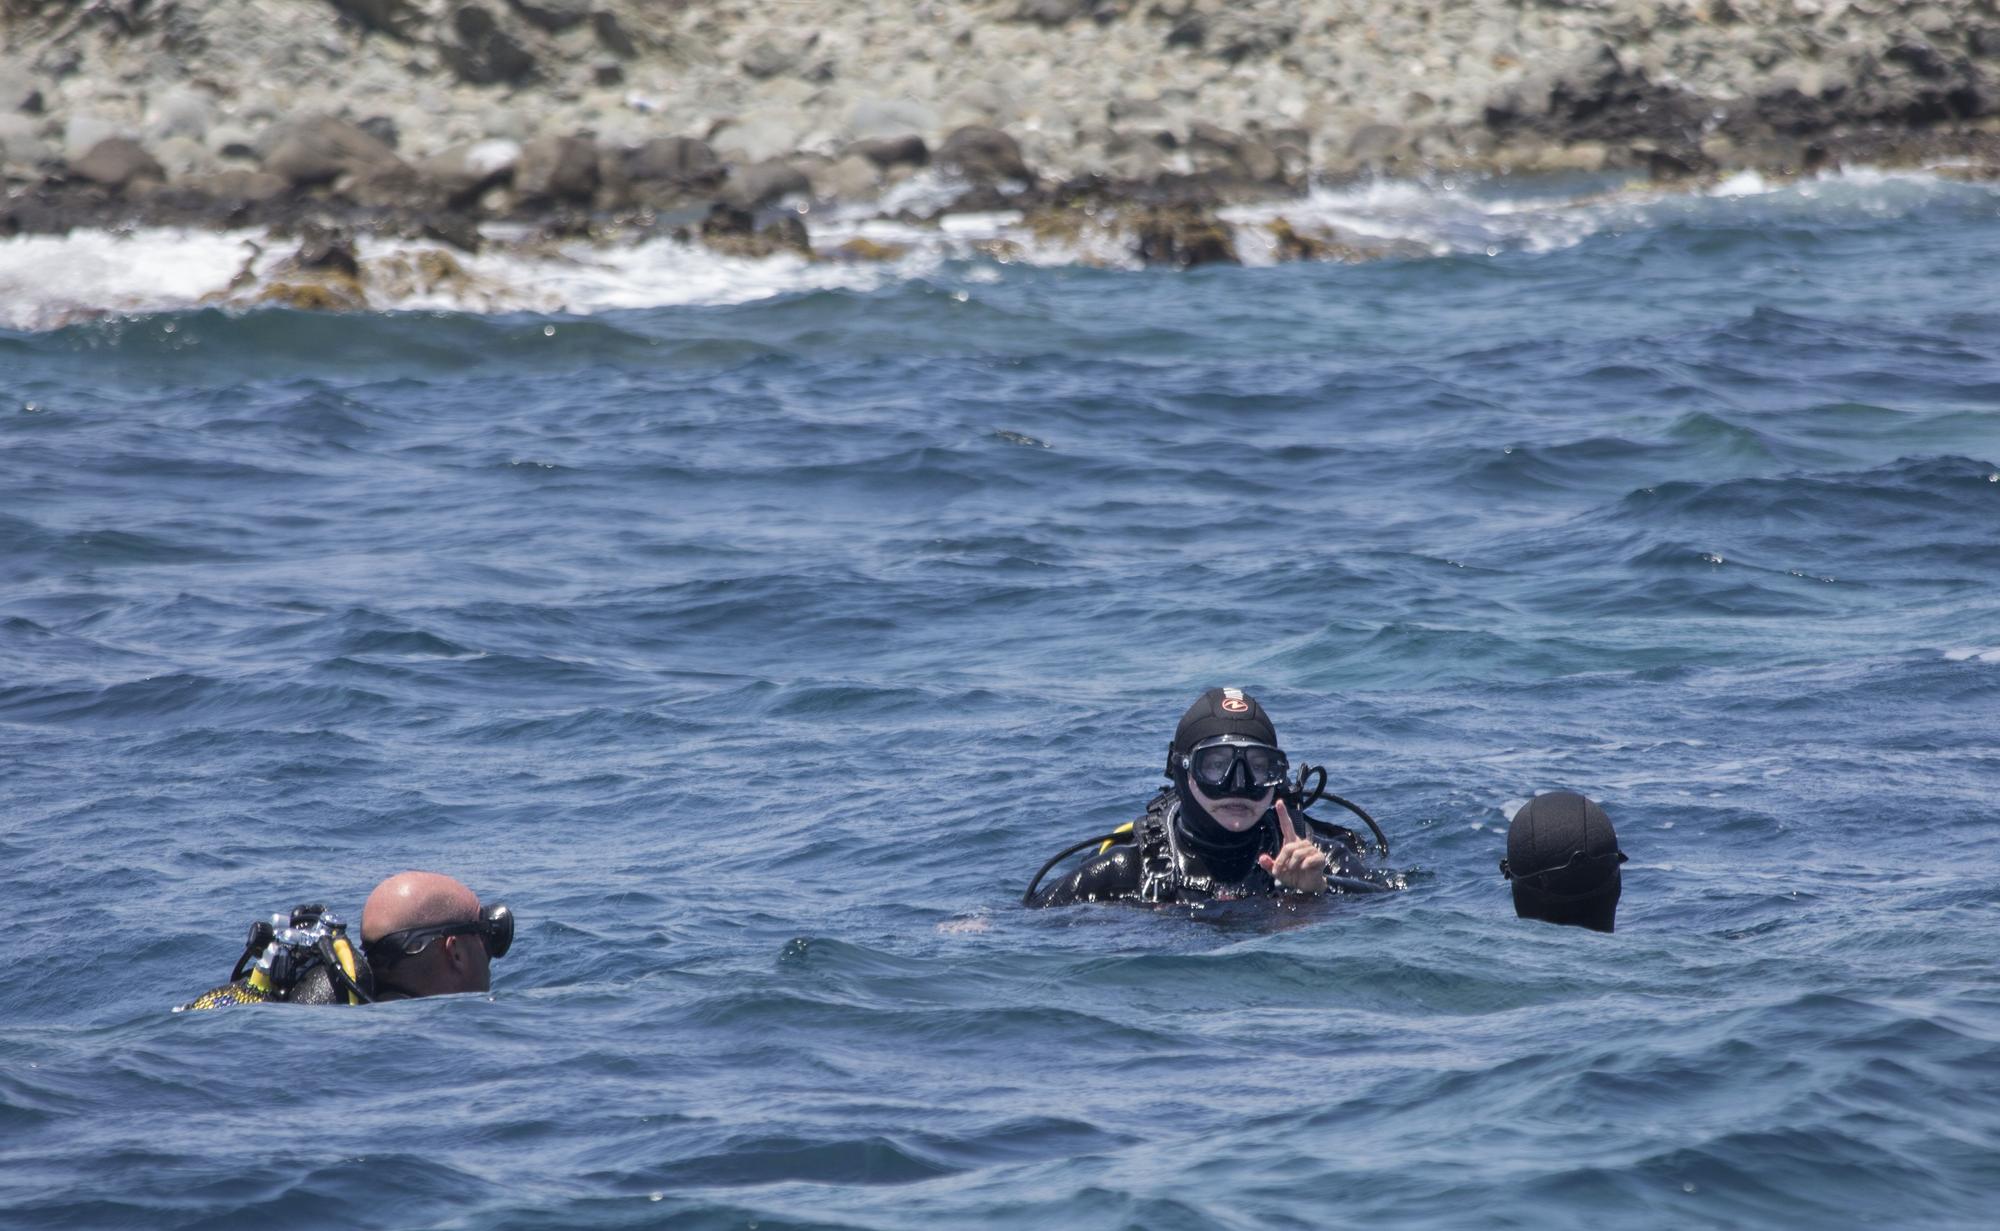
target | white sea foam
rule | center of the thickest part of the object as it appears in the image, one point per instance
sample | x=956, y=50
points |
x=47, y=281
x=1741, y=184
x=1977, y=656
x=582, y=278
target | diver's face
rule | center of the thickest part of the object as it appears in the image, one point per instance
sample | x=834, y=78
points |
x=1230, y=812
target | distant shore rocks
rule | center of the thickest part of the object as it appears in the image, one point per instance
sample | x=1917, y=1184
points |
x=1146, y=116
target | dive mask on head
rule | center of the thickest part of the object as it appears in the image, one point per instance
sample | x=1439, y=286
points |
x=495, y=926
x=1235, y=766
x=1594, y=871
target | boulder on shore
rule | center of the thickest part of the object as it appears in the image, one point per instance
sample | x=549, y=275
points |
x=464, y=171
x=984, y=155
x=1181, y=237
x=484, y=52
x=766, y=183
x=557, y=169
x=117, y=163
x=734, y=232
x=320, y=149
x=681, y=162
x=887, y=152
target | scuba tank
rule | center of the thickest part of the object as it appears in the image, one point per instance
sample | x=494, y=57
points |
x=305, y=957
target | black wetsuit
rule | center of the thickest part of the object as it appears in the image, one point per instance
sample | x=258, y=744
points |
x=1166, y=860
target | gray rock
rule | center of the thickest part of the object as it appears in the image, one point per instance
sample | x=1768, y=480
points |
x=680, y=161
x=557, y=169
x=320, y=149
x=1239, y=31
x=611, y=35
x=984, y=155
x=117, y=163
x=396, y=17
x=327, y=248
x=459, y=230
x=59, y=62
x=555, y=16
x=232, y=141
x=237, y=184
x=462, y=172
x=182, y=157
x=1051, y=12
x=1914, y=83
x=21, y=141
x=383, y=128
x=776, y=53
x=847, y=178
x=502, y=120
x=17, y=89
x=1218, y=151
x=1594, y=97
x=179, y=113
x=765, y=183
x=484, y=53
x=732, y=231
x=1181, y=237
x=889, y=117
x=885, y=152
x=1136, y=157
x=1122, y=109
x=394, y=186
x=771, y=133
x=1374, y=145
x=981, y=102
x=82, y=133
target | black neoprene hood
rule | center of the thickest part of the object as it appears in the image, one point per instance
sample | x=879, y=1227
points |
x=1224, y=711
x=1568, y=838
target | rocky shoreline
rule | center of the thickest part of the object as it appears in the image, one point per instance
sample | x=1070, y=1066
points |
x=734, y=125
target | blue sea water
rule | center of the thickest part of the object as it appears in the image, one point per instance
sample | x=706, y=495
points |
x=757, y=655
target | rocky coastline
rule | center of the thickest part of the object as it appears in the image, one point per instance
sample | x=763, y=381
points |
x=734, y=125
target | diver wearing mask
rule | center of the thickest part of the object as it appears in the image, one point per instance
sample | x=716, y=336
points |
x=423, y=934
x=1232, y=825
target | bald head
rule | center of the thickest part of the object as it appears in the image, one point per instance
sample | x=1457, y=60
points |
x=416, y=900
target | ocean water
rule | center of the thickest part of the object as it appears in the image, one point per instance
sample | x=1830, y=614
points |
x=755, y=632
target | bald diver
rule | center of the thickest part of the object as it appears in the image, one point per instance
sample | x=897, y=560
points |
x=422, y=934
x=1563, y=862
x=1233, y=824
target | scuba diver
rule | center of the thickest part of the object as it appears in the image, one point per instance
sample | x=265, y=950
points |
x=422, y=934
x=1231, y=825
x=1562, y=861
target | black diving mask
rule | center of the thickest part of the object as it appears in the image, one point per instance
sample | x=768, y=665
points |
x=1233, y=766
x=495, y=926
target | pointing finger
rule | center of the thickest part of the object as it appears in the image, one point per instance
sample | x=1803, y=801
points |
x=1285, y=823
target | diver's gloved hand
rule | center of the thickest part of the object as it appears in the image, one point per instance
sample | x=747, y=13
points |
x=1299, y=865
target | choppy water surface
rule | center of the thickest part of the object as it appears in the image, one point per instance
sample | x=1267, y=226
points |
x=757, y=653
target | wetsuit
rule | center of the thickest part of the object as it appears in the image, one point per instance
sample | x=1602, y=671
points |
x=1174, y=856
x=315, y=986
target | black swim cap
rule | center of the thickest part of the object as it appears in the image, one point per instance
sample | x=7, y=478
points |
x=1563, y=857
x=1224, y=711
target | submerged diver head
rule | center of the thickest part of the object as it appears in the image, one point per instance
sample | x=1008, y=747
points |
x=1562, y=858
x=427, y=935
x=1226, y=766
